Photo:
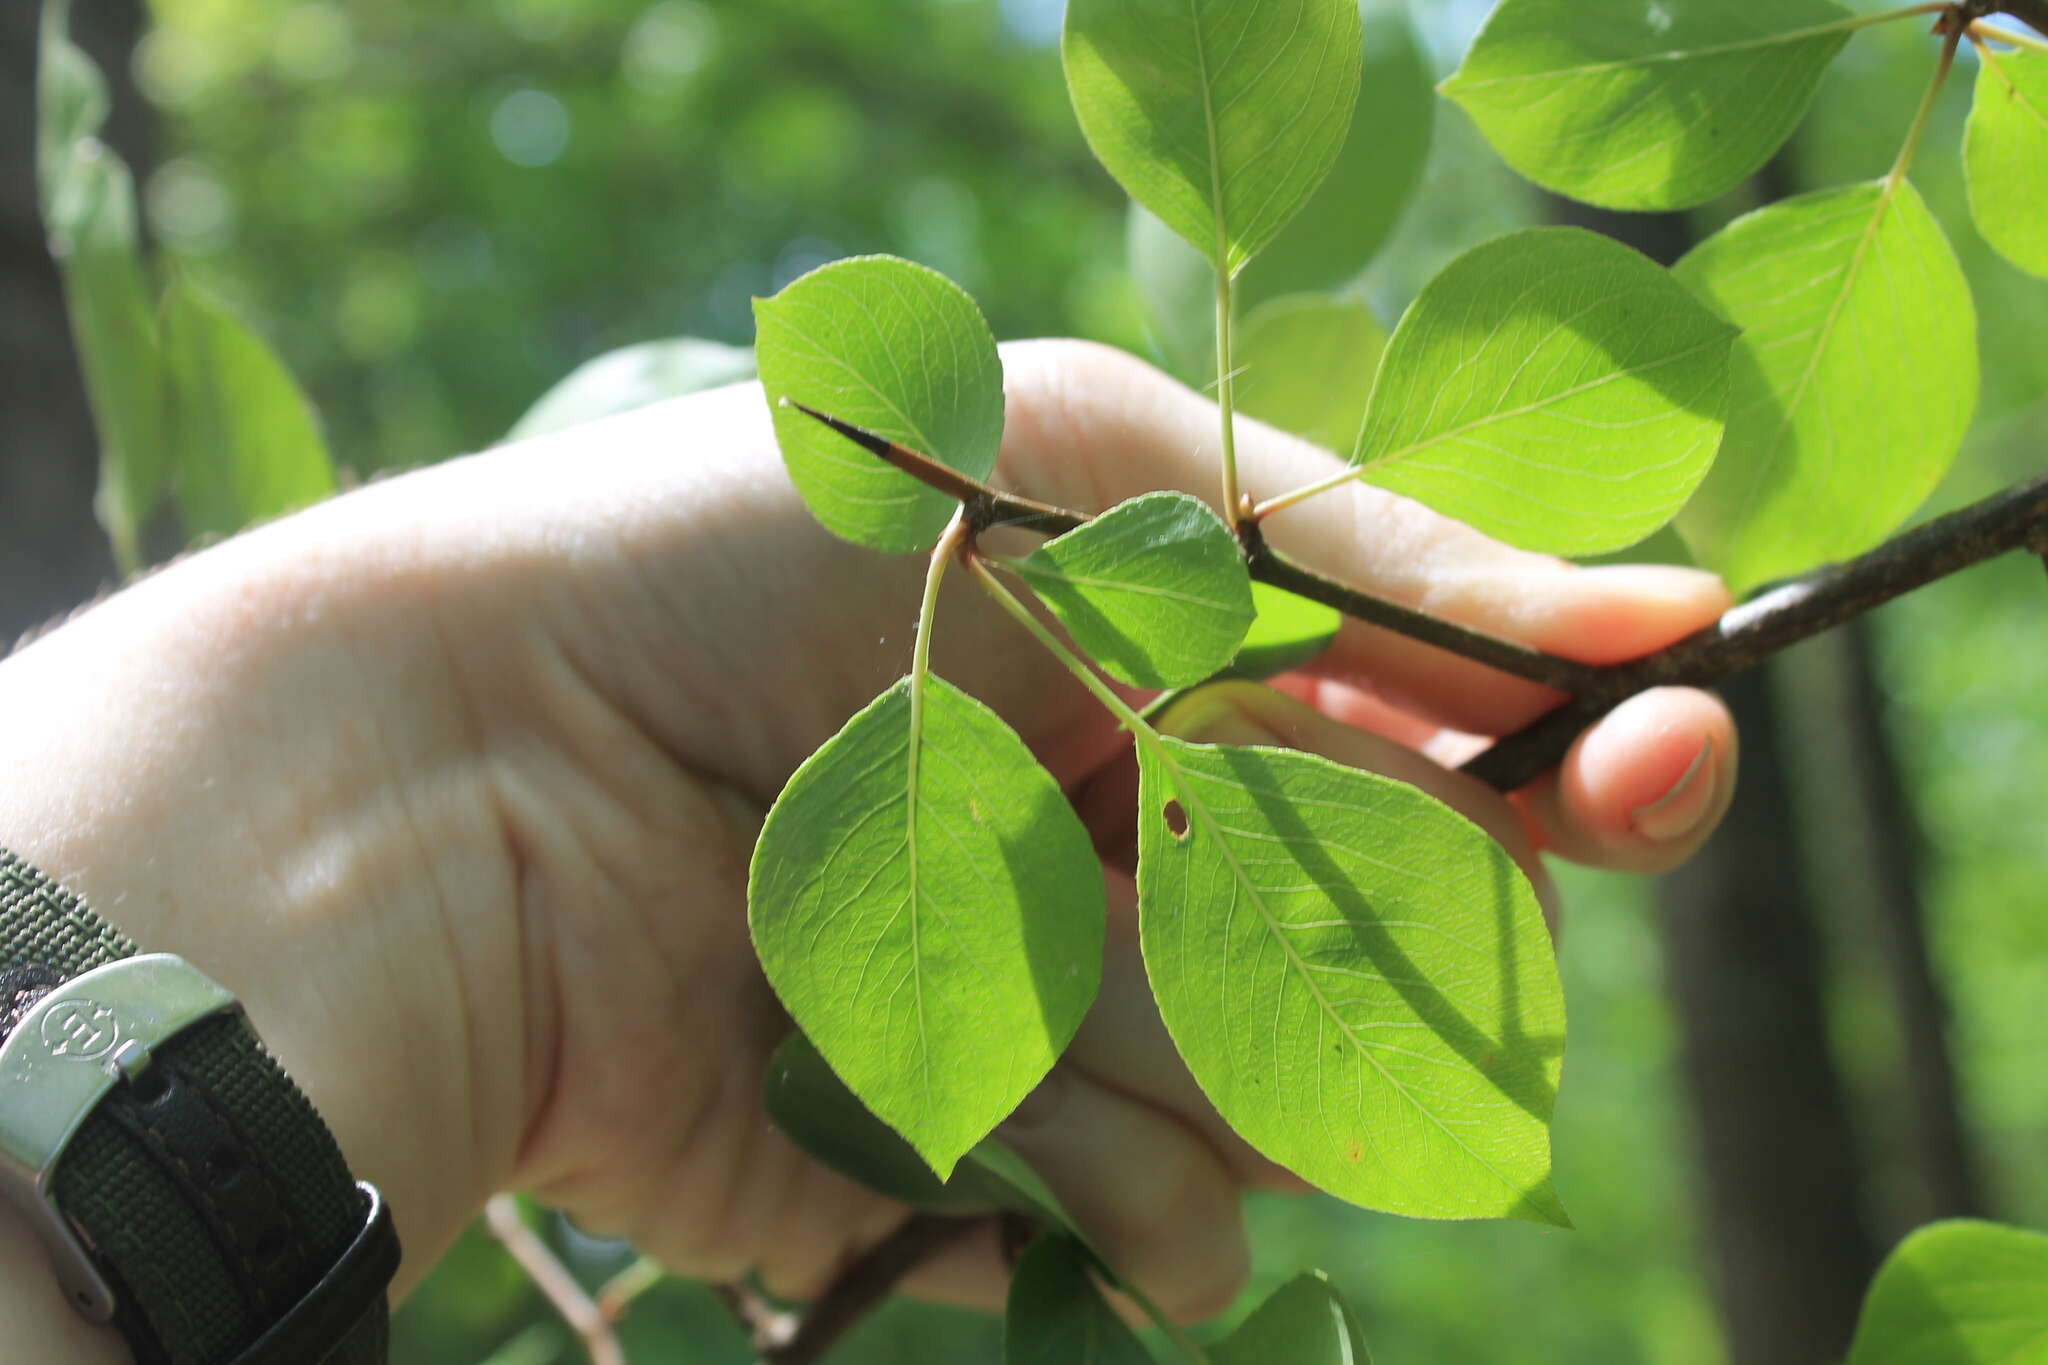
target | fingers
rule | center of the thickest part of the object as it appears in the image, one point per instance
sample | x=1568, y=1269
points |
x=1089, y=426
x=1642, y=789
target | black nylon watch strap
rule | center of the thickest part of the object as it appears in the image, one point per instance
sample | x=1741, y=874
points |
x=208, y=1191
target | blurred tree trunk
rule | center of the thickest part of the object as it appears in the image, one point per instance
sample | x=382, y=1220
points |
x=1781, y=1172
x=1868, y=843
x=52, y=555
x=1781, y=1187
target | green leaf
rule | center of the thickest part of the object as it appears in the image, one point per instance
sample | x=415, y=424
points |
x=1303, y=363
x=1287, y=632
x=1056, y=1315
x=930, y=910
x=1958, y=1293
x=897, y=349
x=1552, y=388
x=1154, y=589
x=2006, y=154
x=88, y=203
x=1304, y=1322
x=632, y=377
x=1220, y=116
x=248, y=446
x=1359, y=979
x=1336, y=235
x=1633, y=105
x=1853, y=383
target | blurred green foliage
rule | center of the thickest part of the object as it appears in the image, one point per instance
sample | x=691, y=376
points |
x=437, y=209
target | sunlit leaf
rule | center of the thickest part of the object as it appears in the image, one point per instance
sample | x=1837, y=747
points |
x=1635, y=105
x=1958, y=1293
x=248, y=445
x=1552, y=388
x=1359, y=979
x=2006, y=153
x=1854, y=379
x=1304, y=1322
x=1220, y=116
x=88, y=203
x=1056, y=1315
x=633, y=377
x=901, y=351
x=1337, y=233
x=1153, y=589
x=930, y=911
x=1305, y=365
x=1287, y=632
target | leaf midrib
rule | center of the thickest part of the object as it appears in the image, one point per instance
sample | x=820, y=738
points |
x=1197, y=810
x=1455, y=84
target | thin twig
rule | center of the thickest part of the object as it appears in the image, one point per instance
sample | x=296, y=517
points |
x=617, y=1294
x=767, y=1327
x=869, y=1281
x=554, y=1281
x=2032, y=13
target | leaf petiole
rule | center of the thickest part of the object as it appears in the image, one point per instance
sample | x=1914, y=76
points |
x=1953, y=37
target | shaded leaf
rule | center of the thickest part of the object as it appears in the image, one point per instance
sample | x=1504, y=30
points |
x=1304, y=366
x=1154, y=589
x=88, y=203
x=897, y=349
x=2006, y=154
x=1958, y=1293
x=1287, y=632
x=1220, y=116
x=1552, y=388
x=1853, y=384
x=930, y=910
x=632, y=377
x=1358, y=977
x=1633, y=105
x=1056, y=1315
x=815, y=1110
x=1303, y=1322
x=248, y=445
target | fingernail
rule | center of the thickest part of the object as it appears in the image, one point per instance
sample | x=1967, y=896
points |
x=1679, y=811
x=1039, y=1106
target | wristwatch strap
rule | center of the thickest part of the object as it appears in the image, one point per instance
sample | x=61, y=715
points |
x=209, y=1195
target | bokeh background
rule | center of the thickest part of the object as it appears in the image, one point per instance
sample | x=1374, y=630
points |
x=1827, y=1033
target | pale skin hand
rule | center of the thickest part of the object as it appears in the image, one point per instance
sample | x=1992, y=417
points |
x=454, y=780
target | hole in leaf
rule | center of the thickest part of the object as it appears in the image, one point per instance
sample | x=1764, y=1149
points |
x=1176, y=819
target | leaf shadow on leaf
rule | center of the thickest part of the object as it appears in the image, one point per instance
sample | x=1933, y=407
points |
x=1049, y=952
x=1512, y=1063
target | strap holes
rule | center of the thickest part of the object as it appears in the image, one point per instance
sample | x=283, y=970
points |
x=223, y=1163
x=151, y=1086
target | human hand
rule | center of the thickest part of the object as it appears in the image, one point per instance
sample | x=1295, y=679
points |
x=454, y=780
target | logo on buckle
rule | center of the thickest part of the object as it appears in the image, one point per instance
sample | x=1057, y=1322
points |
x=84, y=1029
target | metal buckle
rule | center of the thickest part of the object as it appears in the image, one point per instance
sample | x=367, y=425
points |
x=72, y=1047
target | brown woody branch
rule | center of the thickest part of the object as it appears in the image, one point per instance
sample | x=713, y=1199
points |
x=2032, y=13
x=866, y=1283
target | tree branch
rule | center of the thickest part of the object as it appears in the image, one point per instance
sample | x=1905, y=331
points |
x=2014, y=519
x=864, y=1286
x=2032, y=13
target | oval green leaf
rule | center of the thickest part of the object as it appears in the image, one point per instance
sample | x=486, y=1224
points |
x=1220, y=116
x=632, y=377
x=1853, y=384
x=1631, y=105
x=1358, y=977
x=930, y=910
x=2006, y=154
x=1958, y=1293
x=1303, y=1322
x=1057, y=1316
x=248, y=445
x=901, y=351
x=1554, y=389
x=1302, y=365
x=1153, y=589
